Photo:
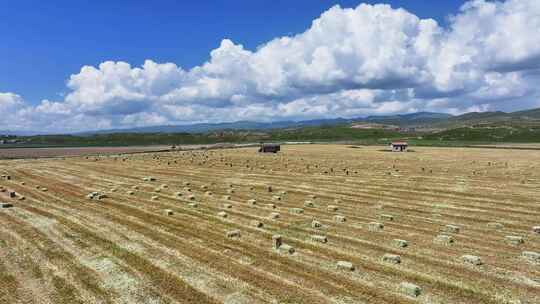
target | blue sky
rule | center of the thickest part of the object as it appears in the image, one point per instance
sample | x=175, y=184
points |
x=43, y=44
x=81, y=65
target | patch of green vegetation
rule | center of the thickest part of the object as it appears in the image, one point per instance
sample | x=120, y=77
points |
x=333, y=133
x=488, y=134
x=459, y=136
x=320, y=133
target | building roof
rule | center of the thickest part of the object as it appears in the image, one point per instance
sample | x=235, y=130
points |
x=400, y=143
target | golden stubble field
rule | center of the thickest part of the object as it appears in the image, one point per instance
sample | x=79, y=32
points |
x=356, y=225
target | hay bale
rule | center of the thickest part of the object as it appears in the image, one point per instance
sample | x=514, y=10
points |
x=193, y=205
x=287, y=248
x=340, y=219
x=178, y=194
x=452, y=228
x=256, y=224
x=222, y=214
x=536, y=229
x=135, y=187
x=149, y=179
x=92, y=195
x=375, y=226
x=332, y=208
x=386, y=217
x=5, y=205
x=271, y=206
x=252, y=201
x=208, y=193
x=230, y=191
x=274, y=216
x=191, y=197
x=168, y=212
x=344, y=265
x=296, y=210
x=157, y=190
x=316, y=224
x=227, y=206
x=444, y=239
x=309, y=204
x=400, y=243
x=226, y=197
x=495, y=225
x=472, y=259
x=531, y=256
x=514, y=240
x=319, y=238
x=391, y=258
x=233, y=234
x=154, y=198
x=410, y=289
x=276, y=198
x=22, y=198
x=277, y=241
x=130, y=192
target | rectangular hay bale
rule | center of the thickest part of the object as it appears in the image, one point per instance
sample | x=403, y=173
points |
x=233, y=234
x=400, y=243
x=375, y=226
x=296, y=210
x=452, y=228
x=391, y=258
x=531, y=256
x=472, y=259
x=345, y=265
x=410, y=289
x=319, y=238
x=444, y=239
x=514, y=240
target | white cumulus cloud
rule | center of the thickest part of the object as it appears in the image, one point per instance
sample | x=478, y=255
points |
x=371, y=59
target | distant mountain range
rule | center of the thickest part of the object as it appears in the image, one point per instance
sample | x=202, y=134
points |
x=420, y=119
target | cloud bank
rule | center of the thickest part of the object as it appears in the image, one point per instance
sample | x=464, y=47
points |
x=372, y=59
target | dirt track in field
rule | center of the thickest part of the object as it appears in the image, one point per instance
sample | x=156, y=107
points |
x=58, y=246
x=17, y=153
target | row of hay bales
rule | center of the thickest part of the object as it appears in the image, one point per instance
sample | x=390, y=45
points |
x=278, y=244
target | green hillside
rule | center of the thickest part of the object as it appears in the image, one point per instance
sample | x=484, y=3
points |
x=488, y=134
x=487, y=127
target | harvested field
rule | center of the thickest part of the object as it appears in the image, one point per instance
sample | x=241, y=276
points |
x=99, y=230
